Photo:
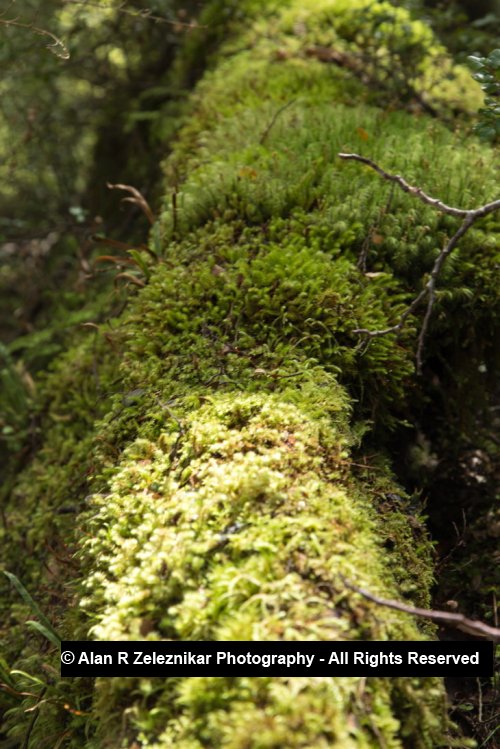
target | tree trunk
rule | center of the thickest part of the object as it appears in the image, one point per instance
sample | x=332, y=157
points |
x=225, y=452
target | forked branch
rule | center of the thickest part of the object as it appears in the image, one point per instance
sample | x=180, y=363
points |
x=469, y=218
x=458, y=621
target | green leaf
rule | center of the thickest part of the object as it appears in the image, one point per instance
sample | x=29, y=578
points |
x=156, y=239
x=5, y=673
x=49, y=634
x=28, y=600
x=140, y=262
x=30, y=677
x=476, y=62
x=484, y=77
x=494, y=59
x=486, y=132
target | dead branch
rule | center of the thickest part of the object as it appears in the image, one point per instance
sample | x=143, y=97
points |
x=55, y=45
x=458, y=621
x=142, y=13
x=469, y=218
x=418, y=192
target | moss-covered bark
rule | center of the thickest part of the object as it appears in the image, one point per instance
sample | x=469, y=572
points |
x=195, y=477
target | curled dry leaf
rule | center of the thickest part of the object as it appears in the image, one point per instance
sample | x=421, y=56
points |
x=137, y=198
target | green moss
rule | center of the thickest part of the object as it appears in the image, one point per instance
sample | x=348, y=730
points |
x=380, y=55
x=239, y=525
x=194, y=475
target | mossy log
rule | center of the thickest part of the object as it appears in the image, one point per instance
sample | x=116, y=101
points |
x=201, y=472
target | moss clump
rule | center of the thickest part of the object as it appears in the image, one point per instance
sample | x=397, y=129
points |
x=203, y=439
x=239, y=525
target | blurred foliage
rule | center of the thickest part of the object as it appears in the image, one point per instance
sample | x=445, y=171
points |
x=53, y=110
x=73, y=117
x=16, y=386
x=92, y=108
x=465, y=26
x=91, y=89
x=487, y=73
x=105, y=85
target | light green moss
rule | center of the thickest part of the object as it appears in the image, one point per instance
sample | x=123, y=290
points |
x=239, y=526
x=205, y=439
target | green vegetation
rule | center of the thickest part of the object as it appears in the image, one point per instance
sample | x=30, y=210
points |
x=203, y=457
x=487, y=72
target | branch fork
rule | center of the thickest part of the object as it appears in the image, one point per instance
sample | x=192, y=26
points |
x=469, y=217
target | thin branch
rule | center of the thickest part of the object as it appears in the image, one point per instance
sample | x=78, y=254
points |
x=363, y=255
x=430, y=286
x=469, y=218
x=419, y=193
x=394, y=328
x=458, y=621
x=268, y=129
x=7, y=9
x=57, y=47
x=143, y=13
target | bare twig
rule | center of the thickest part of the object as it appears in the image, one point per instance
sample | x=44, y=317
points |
x=469, y=218
x=430, y=286
x=55, y=45
x=363, y=255
x=459, y=621
x=7, y=9
x=418, y=192
x=268, y=129
x=143, y=13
